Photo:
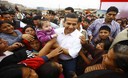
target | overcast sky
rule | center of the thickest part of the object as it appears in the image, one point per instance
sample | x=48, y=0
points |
x=59, y=3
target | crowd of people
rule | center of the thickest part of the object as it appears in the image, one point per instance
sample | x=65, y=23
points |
x=69, y=46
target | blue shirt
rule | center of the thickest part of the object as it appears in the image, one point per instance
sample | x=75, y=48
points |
x=93, y=29
x=12, y=39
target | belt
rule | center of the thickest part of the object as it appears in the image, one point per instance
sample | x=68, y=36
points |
x=66, y=60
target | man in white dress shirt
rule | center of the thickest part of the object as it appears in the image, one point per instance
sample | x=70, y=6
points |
x=69, y=39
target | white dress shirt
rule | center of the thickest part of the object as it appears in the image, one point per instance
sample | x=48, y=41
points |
x=70, y=42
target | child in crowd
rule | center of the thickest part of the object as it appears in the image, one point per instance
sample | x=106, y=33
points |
x=46, y=33
x=28, y=30
x=93, y=54
x=35, y=46
x=104, y=35
x=102, y=43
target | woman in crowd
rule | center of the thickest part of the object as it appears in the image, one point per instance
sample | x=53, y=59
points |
x=34, y=45
x=114, y=63
x=13, y=36
x=30, y=68
x=116, y=59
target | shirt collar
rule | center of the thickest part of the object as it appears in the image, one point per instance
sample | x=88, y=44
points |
x=105, y=23
x=76, y=33
x=71, y=34
x=62, y=30
x=81, y=28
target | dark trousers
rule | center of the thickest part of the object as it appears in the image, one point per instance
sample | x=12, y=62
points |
x=68, y=67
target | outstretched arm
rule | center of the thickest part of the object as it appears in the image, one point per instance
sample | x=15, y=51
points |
x=38, y=61
x=47, y=48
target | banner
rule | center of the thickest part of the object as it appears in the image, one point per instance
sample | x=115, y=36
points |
x=122, y=5
x=114, y=0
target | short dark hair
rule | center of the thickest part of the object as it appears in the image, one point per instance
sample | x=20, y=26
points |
x=11, y=71
x=112, y=8
x=37, y=18
x=70, y=8
x=105, y=27
x=87, y=20
x=28, y=26
x=48, y=70
x=70, y=15
x=4, y=13
x=121, y=55
x=51, y=12
x=107, y=44
x=3, y=22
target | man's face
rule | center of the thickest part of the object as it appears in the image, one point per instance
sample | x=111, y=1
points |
x=51, y=17
x=7, y=17
x=67, y=12
x=111, y=15
x=70, y=25
x=13, y=16
x=85, y=24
